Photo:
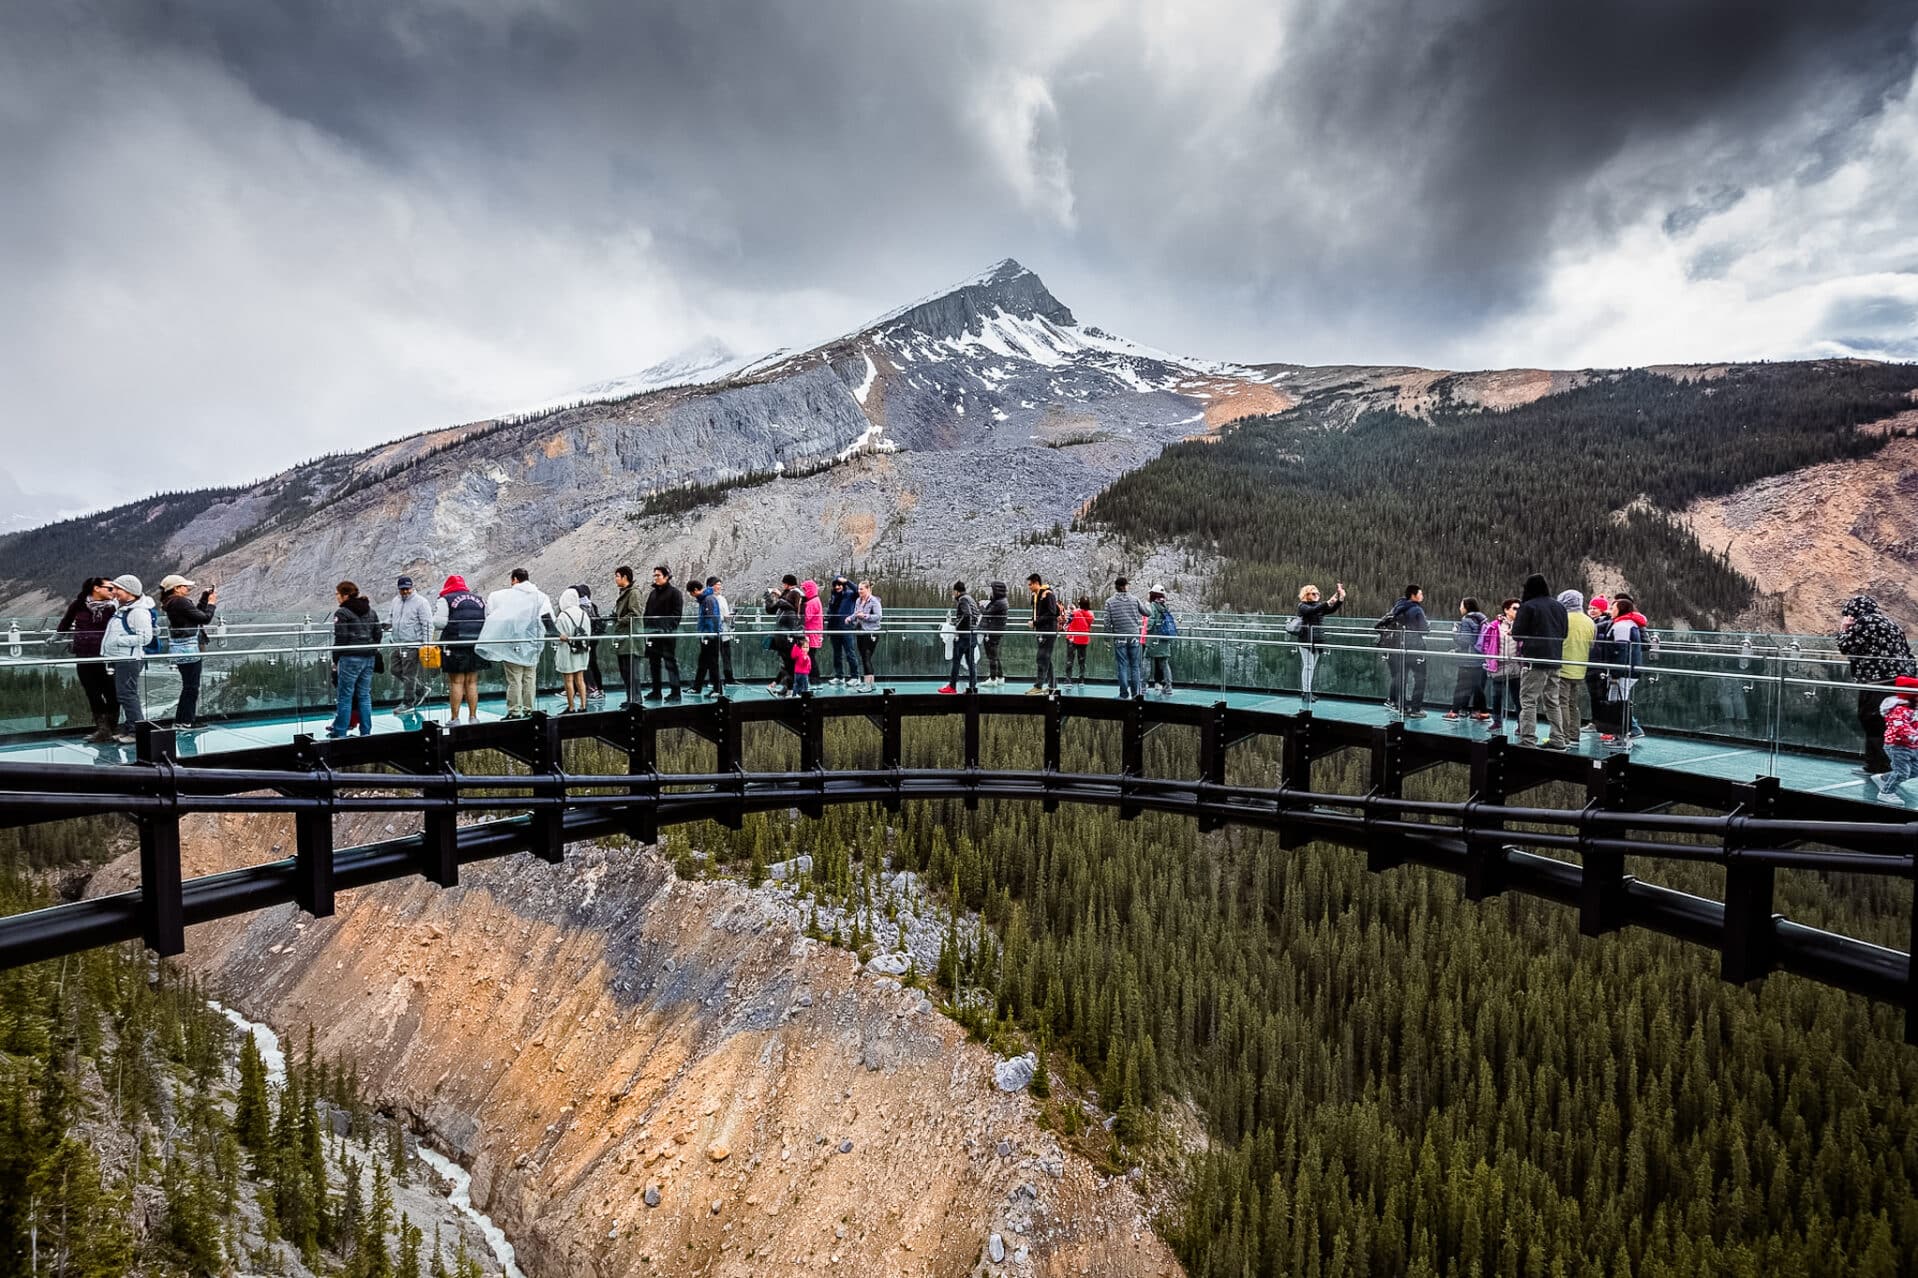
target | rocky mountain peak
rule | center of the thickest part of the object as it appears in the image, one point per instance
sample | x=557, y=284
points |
x=1005, y=287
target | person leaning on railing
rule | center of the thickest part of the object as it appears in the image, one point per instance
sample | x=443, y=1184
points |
x=86, y=620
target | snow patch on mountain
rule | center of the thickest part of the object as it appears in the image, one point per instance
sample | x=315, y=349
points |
x=702, y=364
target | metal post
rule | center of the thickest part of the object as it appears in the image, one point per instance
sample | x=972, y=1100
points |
x=1601, y=888
x=548, y=782
x=1213, y=746
x=1388, y=778
x=812, y=752
x=162, y=911
x=439, y=850
x=889, y=744
x=642, y=759
x=1295, y=770
x=1485, y=862
x=971, y=748
x=1748, y=951
x=313, y=837
x=1132, y=753
x=1054, y=718
x=728, y=750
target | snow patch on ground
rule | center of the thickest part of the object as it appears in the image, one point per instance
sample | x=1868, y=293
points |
x=865, y=387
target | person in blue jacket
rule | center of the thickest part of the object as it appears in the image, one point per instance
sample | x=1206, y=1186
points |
x=711, y=629
x=840, y=630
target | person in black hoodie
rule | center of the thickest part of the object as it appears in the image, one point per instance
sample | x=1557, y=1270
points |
x=1046, y=624
x=1408, y=623
x=992, y=625
x=1539, y=633
x=665, y=609
x=1468, y=692
x=86, y=620
x=185, y=619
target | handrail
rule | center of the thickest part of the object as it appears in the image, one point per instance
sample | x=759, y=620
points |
x=1759, y=831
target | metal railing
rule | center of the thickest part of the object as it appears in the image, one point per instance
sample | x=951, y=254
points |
x=1760, y=830
x=1784, y=701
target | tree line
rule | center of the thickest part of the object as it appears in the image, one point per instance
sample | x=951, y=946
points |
x=1470, y=502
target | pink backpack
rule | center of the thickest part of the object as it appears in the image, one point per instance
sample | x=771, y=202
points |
x=1488, y=643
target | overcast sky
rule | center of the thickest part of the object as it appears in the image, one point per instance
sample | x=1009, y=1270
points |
x=235, y=234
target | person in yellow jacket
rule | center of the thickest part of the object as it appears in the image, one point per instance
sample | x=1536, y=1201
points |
x=1579, y=634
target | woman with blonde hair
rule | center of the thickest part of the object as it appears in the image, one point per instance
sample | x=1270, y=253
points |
x=1310, y=630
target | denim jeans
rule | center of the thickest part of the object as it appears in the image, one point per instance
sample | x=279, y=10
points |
x=1125, y=661
x=1904, y=766
x=1308, y=667
x=126, y=690
x=962, y=645
x=845, y=656
x=354, y=691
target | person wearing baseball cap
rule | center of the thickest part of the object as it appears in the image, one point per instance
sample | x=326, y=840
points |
x=185, y=618
x=409, y=622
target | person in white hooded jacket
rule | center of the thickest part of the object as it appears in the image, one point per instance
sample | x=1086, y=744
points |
x=572, y=652
x=514, y=633
x=124, y=644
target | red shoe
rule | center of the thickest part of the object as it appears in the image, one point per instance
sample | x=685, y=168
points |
x=949, y=690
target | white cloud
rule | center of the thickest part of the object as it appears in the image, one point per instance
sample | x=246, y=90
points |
x=1019, y=125
x=1762, y=279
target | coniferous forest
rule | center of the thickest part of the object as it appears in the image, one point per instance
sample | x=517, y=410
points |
x=134, y=1139
x=1391, y=1079
x=1468, y=502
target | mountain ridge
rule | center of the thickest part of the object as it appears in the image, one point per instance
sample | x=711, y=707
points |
x=962, y=427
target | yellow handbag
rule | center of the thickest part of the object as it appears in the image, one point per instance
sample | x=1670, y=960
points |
x=430, y=657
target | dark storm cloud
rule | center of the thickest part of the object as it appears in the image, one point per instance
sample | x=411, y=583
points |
x=1462, y=139
x=434, y=204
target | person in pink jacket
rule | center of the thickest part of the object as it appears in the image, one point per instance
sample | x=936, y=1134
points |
x=1501, y=665
x=814, y=614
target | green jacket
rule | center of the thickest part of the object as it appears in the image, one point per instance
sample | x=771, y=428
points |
x=1579, y=633
x=627, y=624
x=1156, y=644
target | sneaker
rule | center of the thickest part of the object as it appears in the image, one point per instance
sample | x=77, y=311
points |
x=1451, y=714
x=1583, y=728
x=651, y=696
x=948, y=691
x=1637, y=733
x=671, y=699
x=1891, y=796
x=1035, y=691
x=1481, y=716
x=1416, y=714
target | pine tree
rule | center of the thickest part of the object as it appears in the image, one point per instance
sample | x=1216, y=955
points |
x=251, y=1114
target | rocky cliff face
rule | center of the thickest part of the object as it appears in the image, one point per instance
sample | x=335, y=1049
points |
x=956, y=432
x=952, y=428
x=647, y=1075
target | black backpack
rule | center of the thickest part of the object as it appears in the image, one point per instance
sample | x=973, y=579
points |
x=1391, y=629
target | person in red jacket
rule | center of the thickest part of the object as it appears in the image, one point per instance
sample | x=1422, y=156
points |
x=1078, y=640
x=1900, y=713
